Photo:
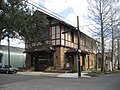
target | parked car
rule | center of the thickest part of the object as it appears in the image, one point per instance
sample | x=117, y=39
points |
x=8, y=69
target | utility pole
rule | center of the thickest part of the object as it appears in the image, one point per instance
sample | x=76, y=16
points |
x=8, y=49
x=78, y=51
x=9, y=35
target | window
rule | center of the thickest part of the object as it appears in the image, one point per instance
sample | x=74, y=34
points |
x=57, y=42
x=53, y=30
x=53, y=42
x=72, y=36
x=57, y=29
x=58, y=35
x=55, y=35
x=62, y=42
x=62, y=36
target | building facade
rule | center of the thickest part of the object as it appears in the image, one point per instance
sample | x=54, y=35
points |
x=17, y=57
x=62, y=49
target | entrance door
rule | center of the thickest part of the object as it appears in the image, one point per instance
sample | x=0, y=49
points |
x=42, y=62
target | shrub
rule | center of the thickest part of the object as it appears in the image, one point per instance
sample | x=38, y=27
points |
x=74, y=69
x=95, y=73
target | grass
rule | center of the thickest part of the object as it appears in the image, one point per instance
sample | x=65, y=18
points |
x=74, y=69
x=95, y=73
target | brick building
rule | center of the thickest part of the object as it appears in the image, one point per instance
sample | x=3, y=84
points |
x=61, y=51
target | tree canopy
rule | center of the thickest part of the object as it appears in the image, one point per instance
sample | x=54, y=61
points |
x=26, y=24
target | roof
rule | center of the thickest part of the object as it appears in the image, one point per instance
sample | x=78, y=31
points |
x=12, y=49
x=55, y=18
x=62, y=22
x=52, y=15
x=41, y=48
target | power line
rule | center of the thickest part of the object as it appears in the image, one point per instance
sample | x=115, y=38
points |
x=55, y=15
x=44, y=11
x=50, y=12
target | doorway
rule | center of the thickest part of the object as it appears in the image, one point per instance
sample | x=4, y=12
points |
x=43, y=61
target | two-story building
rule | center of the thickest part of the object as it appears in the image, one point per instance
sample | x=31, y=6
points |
x=62, y=49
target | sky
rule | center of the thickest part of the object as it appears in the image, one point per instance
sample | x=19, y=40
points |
x=69, y=9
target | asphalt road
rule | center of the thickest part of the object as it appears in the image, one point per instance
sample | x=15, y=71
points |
x=21, y=82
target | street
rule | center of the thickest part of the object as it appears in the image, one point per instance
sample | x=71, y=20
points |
x=12, y=78
x=27, y=82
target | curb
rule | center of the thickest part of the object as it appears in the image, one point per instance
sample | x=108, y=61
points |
x=57, y=75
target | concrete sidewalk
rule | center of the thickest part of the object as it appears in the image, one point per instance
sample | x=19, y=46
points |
x=39, y=74
x=73, y=75
x=63, y=75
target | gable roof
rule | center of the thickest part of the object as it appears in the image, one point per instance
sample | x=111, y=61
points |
x=49, y=15
x=52, y=16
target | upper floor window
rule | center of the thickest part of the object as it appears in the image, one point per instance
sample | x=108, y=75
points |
x=55, y=33
x=53, y=30
x=72, y=37
x=57, y=29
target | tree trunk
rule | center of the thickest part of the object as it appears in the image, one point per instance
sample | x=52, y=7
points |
x=112, y=52
x=102, y=64
x=102, y=38
x=118, y=54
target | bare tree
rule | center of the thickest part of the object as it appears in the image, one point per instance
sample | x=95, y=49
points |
x=118, y=56
x=114, y=24
x=102, y=14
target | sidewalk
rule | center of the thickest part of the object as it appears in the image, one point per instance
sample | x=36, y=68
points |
x=63, y=75
x=73, y=75
x=39, y=74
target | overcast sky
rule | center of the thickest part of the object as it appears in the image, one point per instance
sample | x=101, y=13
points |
x=69, y=9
